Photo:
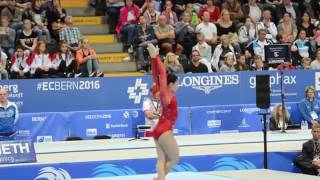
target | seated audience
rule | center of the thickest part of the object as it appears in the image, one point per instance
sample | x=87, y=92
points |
x=278, y=116
x=316, y=63
x=165, y=34
x=208, y=29
x=195, y=66
x=113, y=12
x=172, y=64
x=309, y=107
x=14, y=15
x=151, y=14
x=221, y=50
x=288, y=7
x=28, y=37
x=64, y=64
x=170, y=15
x=20, y=69
x=305, y=64
x=253, y=9
x=247, y=33
x=258, y=64
x=195, y=20
x=287, y=27
x=286, y=66
x=228, y=65
x=7, y=37
x=40, y=21
x=214, y=11
x=3, y=65
x=234, y=7
x=56, y=16
x=70, y=33
x=268, y=25
x=204, y=49
x=307, y=25
x=241, y=64
x=301, y=48
x=256, y=47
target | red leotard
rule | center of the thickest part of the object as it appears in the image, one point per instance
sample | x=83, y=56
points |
x=169, y=102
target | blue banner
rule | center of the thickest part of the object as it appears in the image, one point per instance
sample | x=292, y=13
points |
x=65, y=95
x=206, y=163
x=12, y=152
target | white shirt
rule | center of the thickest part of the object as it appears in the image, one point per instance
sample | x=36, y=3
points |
x=207, y=30
x=150, y=105
x=4, y=57
x=20, y=64
x=255, y=13
x=39, y=61
x=315, y=64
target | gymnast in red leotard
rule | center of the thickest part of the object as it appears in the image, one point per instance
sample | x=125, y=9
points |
x=166, y=145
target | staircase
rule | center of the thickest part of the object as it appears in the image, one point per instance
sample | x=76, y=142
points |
x=94, y=28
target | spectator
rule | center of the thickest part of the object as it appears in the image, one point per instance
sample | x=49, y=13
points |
x=129, y=18
x=64, y=64
x=151, y=15
x=14, y=15
x=309, y=107
x=277, y=118
x=307, y=25
x=317, y=36
x=287, y=27
x=185, y=33
x=157, y=5
x=268, y=25
x=70, y=33
x=143, y=36
x=316, y=63
x=194, y=16
x=214, y=11
x=288, y=7
x=7, y=36
x=258, y=64
x=256, y=47
x=195, y=66
x=87, y=61
x=309, y=162
x=20, y=68
x=220, y=51
x=234, y=7
x=204, y=49
x=41, y=21
x=241, y=64
x=171, y=16
x=247, y=33
x=23, y=5
x=208, y=29
x=28, y=37
x=3, y=65
x=172, y=64
x=301, y=48
x=152, y=109
x=305, y=64
x=228, y=65
x=113, y=12
x=179, y=7
x=56, y=16
x=165, y=34
x=8, y=117
x=309, y=6
x=253, y=10
x=286, y=66
x=40, y=61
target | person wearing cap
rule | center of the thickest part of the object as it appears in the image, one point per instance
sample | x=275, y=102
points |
x=309, y=107
x=8, y=117
x=152, y=109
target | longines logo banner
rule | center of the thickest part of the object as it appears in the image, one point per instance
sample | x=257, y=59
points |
x=12, y=152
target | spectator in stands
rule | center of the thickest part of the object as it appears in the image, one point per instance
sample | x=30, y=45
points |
x=309, y=107
x=287, y=27
x=41, y=21
x=70, y=33
x=241, y=64
x=317, y=36
x=23, y=5
x=208, y=29
x=305, y=64
x=277, y=118
x=172, y=64
x=286, y=66
x=87, y=61
x=228, y=65
x=3, y=65
x=258, y=64
x=28, y=37
x=165, y=34
x=247, y=33
x=221, y=50
x=194, y=16
x=253, y=10
x=143, y=36
x=310, y=7
x=316, y=63
x=196, y=66
x=309, y=162
x=256, y=47
x=289, y=7
x=268, y=25
x=8, y=117
x=234, y=8
x=64, y=64
x=185, y=33
x=307, y=25
x=152, y=109
x=129, y=18
x=40, y=61
x=14, y=15
x=170, y=15
x=113, y=12
x=151, y=14
x=20, y=68
x=179, y=7
x=7, y=37
x=55, y=15
x=204, y=49
x=301, y=48
x=214, y=11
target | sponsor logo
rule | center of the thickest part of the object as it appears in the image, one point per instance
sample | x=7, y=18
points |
x=276, y=80
x=249, y=110
x=109, y=126
x=24, y=133
x=13, y=90
x=244, y=124
x=214, y=123
x=98, y=116
x=91, y=132
x=44, y=139
x=68, y=85
x=126, y=115
x=38, y=119
x=317, y=81
x=137, y=91
x=225, y=111
x=209, y=83
x=135, y=114
x=51, y=173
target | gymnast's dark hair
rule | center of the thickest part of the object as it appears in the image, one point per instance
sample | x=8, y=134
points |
x=171, y=78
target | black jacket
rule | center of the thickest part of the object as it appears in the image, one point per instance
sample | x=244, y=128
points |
x=304, y=161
